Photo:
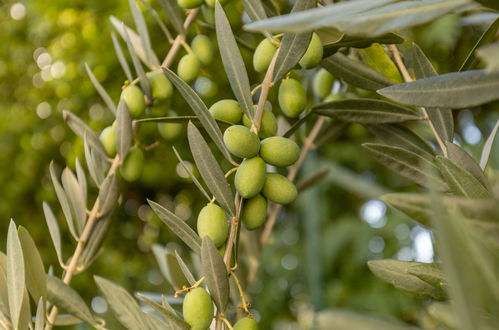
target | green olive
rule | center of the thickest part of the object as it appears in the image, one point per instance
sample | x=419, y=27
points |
x=189, y=4
x=241, y=142
x=197, y=309
x=313, y=54
x=263, y=55
x=292, y=97
x=170, y=131
x=132, y=167
x=188, y=68
x=134, y=100
x=323, y=83
x=203, y=48
x=268, y=125
x=161, y=87
x=227, y=110
x=250, y=177
x=208, y=15
x=108, y=139
x=211, y=3
x=279, y=151
x=334, y=97
x=246, y=323
x=254, y=212
x=279, y=189
x=205, y=87
x=213, y=223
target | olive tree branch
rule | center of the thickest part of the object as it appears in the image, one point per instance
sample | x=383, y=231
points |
x=179, y=40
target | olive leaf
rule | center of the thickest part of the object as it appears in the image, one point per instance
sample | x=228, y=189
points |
x=123, y=130
x=354, y=73
x=143, y=81
x=141, y=26
x=75, y=198
x=63, y=296
x=102, y=92
x=95, y=162
x=55, y=233
x=15, y=275
x=187, y=273
x=170, y=315
x=121, y=57
x=366, y=111
x=233, y=61
x=255, y=10
x=95, y=241
x=181, y=120
x=34, y=269
x=210, y=170
x=82, y=180
x=177, y=226
x=169, y=267
x=333, y=40
x=216, y=274
x=191, y=175
x=158, y=19
x=487, y=147
x=463, y=159
x=431, y=273
x=83, y=131
x=487, y=36
x=172, y=11
x=40, y=315
x=108, y=196
x=377, y=59
x=298, y=124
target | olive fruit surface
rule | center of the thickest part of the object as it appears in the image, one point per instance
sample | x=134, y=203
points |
x=203, y=48
x=241, y=142
x=279, y=189
x=268, y=125
x=246, y=323
x=279, y=151
x=263, y=55
x=292, y=97
x=250, y=177
x=226, y=110
x=212, y=223
x=197, y=309
x=134, y=100
x=189, y=4
x=108, y=139
x=254, y=212
x=132, y=167
x=313, y=54
x=188, y=68
x=161, y=87
x=322, y=83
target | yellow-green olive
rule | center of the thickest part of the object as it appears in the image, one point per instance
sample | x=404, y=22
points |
x=213, y=223
x=313, y=54
x=250, y=177
x=161, y=87
x=292, y=97
x=334, y=97
x=268, y=125
x=108, y=139
x=134, y=100
x=170, y=131
x=279, y=189
x=188, y=68
x=241, y=142
x=246, y=323
x=279, y=151
x=322, y=83
x=263, y=55
x=211, y=3
x=132, y=167
x=254, y=212
x=205, y=87
x=189, y=4
x=227, y=110
x=203, y=48
x=197, y=309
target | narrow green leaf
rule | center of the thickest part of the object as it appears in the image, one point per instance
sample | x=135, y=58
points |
x=40, y=315
x=139, y=70
x=75, y=198
x=199, y=108
x=431, y=273
x=4, y=295
x=108, y=196
x=451, y=90
x=169, y=267
x=216, y=274
x=255, y=10
x=341, y=319
x=171, y=317
x=298, y=124
x=366, y=111
x=65, y=297
x=15, y=275
x=442, y=312
x=333, y=40
x=55, y=233
x=463, y=159
x=82, y=180
x=124, y=130
x=487, y=147
x=233, y=61
x=172, y=11
x=82, y=130
x=489, y=54
x=312, y=180
x=187, y=273
x=95, y=242
x=141, y=26
x=95, y=162
x=377, y=59
x=487, y=36
x=210, y=170
x=158, y=19
x=121, y=57
x=192, y=176
x=354, y=73
x=102, y=92
x=34, y=269
x=177, y=226
x=460, y=180
x=181, y=120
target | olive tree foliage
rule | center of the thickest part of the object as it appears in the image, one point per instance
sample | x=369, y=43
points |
x=248, y=153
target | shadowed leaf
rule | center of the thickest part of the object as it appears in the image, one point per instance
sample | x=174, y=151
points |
x=216, y=274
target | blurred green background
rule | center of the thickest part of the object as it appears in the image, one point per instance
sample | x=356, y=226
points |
x=318, y=256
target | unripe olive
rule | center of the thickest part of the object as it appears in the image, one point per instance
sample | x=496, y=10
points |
x=211, y=3
x=254, y=212
x=268, y=125
x=334, y=97
x=189, y=4
x=313, y=54
x=134, y=100
x=205, y=87
x=279, y=151
x=203, y=48
x=263, y=55
x=241, y=142
x=279, y=189
x=170, y=131
x=227, y=110
x=250, y=177
x=161, y=87
x=292, y=97
x=323, y=83
x=212, y=223
x=108, y=140
x=132, y=167
x=188, y=68
x=246, y=323
x=197, y=309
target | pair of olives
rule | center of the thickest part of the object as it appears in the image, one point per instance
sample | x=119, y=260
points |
x=203, y=52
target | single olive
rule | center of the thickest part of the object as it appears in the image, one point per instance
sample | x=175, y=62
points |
x=279, y=189
x=313, y=54
x=205, y=87
x=197, y=309
x=334, y=97
x=279, y=151
x=189, y=4
x=292, y=97
x=170, y=131
x=211, y=3
x=268, y=125
x=246, y=323
x=132, y=167
x=263, y=55
x=188, y=68
x=254, y=212
x=161, y=87
x=213, y=223
x=108, y=139
x=203, y=48
x=250, y=177
x=241, y=142
x=322, y=83
x=227, y=110
x=134, y=100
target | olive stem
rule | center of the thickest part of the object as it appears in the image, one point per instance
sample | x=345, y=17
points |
x=241, y=294
x=227, y=323
x=238, y=201
x=189, y=288
x=232, y=170
x=177, y=43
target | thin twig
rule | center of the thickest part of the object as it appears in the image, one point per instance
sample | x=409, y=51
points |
x=177, y=43
x=238, y=201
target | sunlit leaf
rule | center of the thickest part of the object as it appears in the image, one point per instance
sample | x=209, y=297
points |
x=15, y=275
x=376, y=58
x=63, y=201
x=75, y=198
x=34, y=269
x=490, y=54
x=102, y=92
x=123, y=130
x=40, y=315
x=216, y=274
x=54, y=230
x=431, y=273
